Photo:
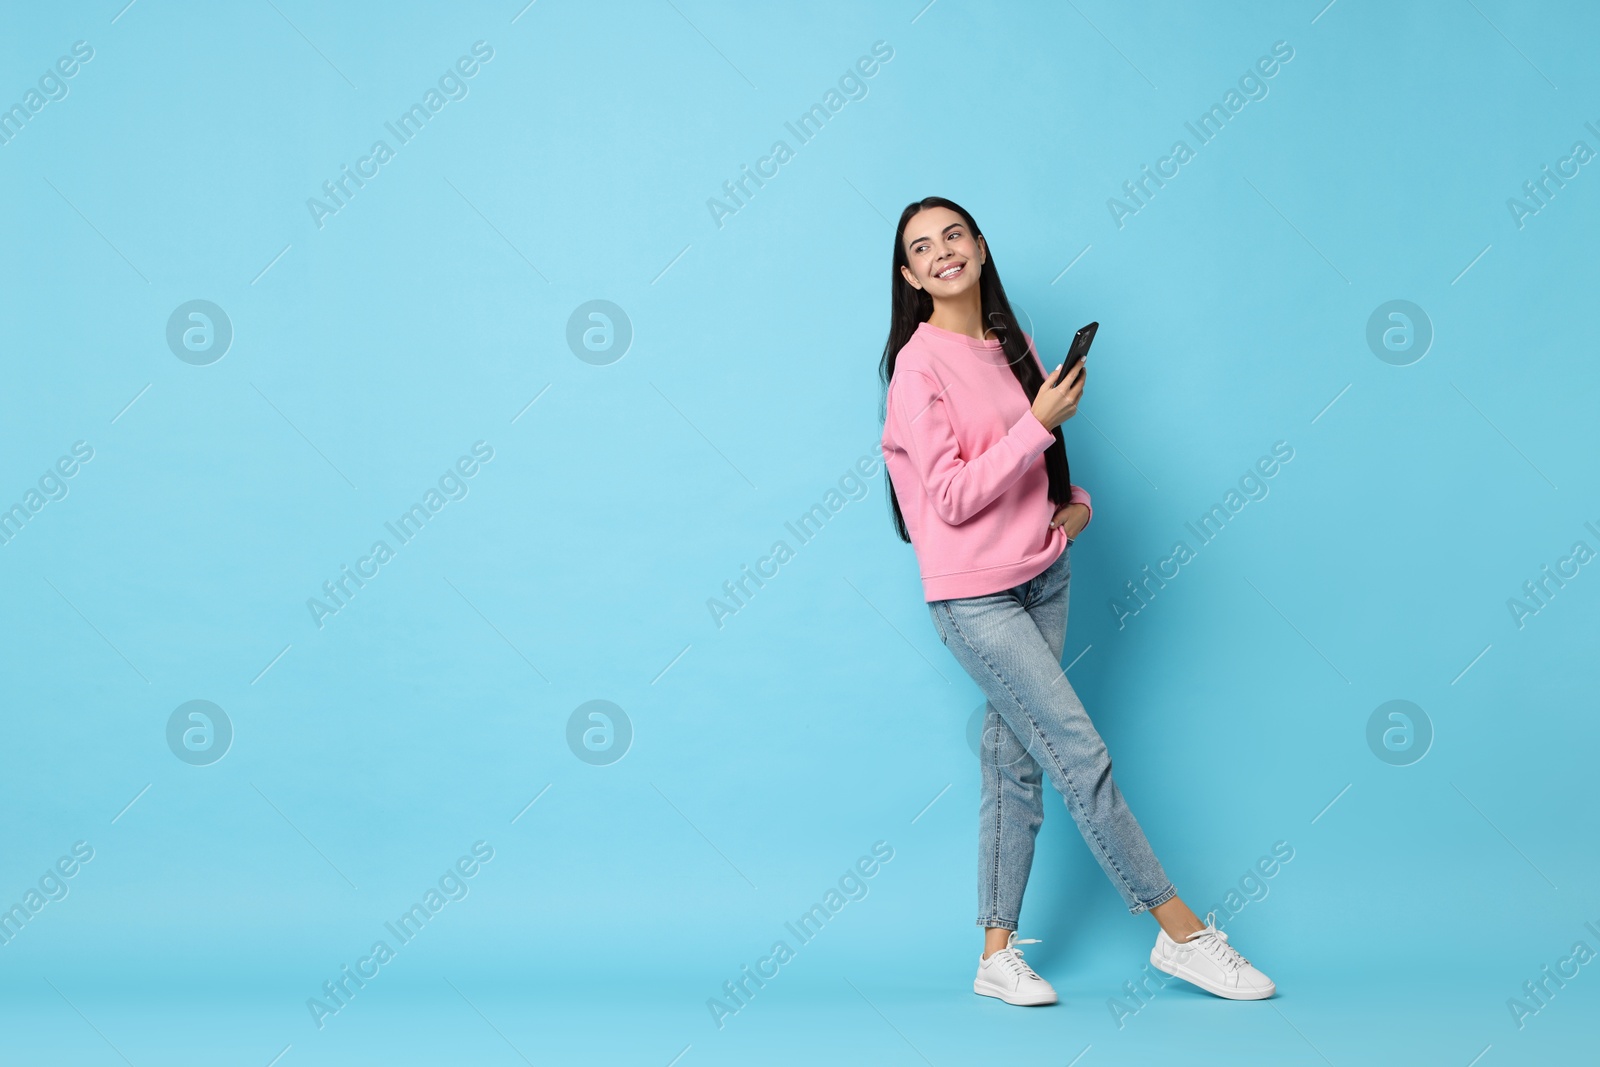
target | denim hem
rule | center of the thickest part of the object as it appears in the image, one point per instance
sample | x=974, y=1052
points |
x=1161, y=899
x=1004, y=924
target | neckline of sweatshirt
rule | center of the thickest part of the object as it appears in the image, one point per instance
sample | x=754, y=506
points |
x=966, y=457
x=981, y=346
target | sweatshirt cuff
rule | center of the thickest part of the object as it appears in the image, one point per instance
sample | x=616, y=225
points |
x=1031, y=434
x=1079, y=495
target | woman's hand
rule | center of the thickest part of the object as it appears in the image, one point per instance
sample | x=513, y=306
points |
x=1072, y=518
x=1055, y=404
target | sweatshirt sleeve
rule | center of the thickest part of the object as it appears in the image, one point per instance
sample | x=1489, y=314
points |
x=960, y=488
x=1079, y=495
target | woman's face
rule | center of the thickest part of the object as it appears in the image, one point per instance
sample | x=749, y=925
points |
x=943, y=255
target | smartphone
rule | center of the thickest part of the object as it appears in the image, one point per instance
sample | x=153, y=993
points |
x=1080, y=348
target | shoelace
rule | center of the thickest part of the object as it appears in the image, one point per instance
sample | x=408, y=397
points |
x=1013, y=958
x=1214, y=943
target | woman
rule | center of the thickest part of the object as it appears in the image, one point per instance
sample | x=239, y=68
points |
x=972, y=445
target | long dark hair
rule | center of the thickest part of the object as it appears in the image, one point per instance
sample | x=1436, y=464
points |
x=910, y=306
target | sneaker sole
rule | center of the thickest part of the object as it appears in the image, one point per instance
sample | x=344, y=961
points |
x=1011, y=998
x=1178, y=970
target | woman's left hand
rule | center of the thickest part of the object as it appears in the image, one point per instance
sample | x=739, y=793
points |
x=1071, y=517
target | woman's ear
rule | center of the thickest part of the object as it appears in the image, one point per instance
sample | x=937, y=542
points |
x=905, y=272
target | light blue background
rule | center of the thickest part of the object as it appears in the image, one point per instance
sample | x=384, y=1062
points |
x=770, y=753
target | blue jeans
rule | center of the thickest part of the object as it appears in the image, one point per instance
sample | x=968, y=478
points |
x=1010, y=643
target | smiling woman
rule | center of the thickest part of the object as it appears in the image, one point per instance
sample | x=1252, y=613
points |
x=972, y=444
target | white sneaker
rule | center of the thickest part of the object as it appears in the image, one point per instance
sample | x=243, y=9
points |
x=1207, y=960
x=1004, y=975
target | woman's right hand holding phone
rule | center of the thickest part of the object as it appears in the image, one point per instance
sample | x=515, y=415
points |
x=1056, y=403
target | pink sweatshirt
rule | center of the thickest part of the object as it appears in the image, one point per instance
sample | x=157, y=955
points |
x=966, y=456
